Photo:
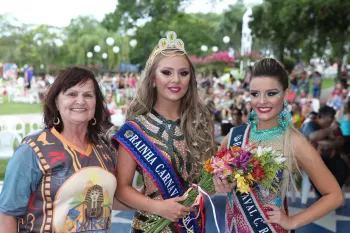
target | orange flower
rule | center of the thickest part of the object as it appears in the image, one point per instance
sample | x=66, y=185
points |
x=235, y=148
x=207, y=166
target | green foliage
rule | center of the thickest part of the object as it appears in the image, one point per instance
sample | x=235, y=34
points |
x=289, y=63
x=3, y=164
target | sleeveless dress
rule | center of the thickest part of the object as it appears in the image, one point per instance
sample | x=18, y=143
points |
x=168, y=138
x=237, y=219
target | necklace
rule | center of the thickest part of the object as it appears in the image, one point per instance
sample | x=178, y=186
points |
x=256, y=135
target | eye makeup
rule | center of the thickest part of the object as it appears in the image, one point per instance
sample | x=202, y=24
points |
x=165, y=72
x=267, y=94
x=168, y=73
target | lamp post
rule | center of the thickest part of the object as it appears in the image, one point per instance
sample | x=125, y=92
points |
x=110, y=41
x=104, y=57
x=89, y=54
x=133, y=43
x=115, y=49
x=204, y=48
x=97, y=48
x=226, y=39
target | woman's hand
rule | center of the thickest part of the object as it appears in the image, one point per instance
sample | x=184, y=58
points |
x=171, y=209
x=222, y=185
x=278, y=216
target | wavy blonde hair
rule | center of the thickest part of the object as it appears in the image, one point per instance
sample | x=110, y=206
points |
x=195, y=119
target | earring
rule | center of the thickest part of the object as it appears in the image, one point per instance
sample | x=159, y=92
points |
x=284, y=118
x=56, y=121
x=93, y=123
x=154, y=85
x=253, y=117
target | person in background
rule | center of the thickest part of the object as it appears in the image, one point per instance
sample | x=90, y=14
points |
x=227, y=103
x=345, y=126
x=236, y=121
x=28, y=76
x=303, y=83
x=316, y=84
x=311, y=117
x=111, y=104
x=63, y=177
x=298, y=118
x=324, y=133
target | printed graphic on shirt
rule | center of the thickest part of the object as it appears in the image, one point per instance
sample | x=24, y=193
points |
x=84, y=202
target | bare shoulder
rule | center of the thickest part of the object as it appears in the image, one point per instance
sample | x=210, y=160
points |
x=303, y=151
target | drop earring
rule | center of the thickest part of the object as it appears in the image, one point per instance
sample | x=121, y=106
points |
x=284, y=118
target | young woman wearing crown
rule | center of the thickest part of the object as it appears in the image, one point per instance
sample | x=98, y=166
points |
x=167, y=135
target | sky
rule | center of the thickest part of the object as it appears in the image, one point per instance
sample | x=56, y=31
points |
x=60, y=12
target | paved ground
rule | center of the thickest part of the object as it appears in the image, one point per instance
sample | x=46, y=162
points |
x=337, y=222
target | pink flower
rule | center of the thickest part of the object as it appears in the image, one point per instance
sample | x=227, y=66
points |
x=218, y=165
x=229, y=158
x=227, y=171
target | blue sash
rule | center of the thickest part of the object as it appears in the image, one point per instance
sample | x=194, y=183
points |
x=157, y=167
x=249, y=203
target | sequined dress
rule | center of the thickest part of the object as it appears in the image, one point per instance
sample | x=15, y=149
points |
x=167, y=136
x=236, y=219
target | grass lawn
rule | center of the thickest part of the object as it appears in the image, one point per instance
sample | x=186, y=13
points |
x=3, y=164
x=18, y=108
x=327, y=83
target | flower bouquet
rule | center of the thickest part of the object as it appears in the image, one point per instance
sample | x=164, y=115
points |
x=245, y=167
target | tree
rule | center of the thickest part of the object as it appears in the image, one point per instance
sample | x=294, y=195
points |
x=83, y=33
x=280, y=23
x=332, y=24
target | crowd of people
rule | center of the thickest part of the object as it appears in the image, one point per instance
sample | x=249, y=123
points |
x=68, y=178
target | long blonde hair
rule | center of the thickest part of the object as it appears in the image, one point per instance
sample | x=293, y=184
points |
x=195, y=119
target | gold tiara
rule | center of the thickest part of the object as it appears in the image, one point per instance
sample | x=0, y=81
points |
x=169, y=46
x=171, y=42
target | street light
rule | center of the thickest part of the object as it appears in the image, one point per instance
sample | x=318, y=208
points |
x=226, y=39
x=104, y=55
x=110, y=41
x=89, y=54
x=133, y=43
x=115, y=49
x=204, y=48
x=215, y=49
x=97, y=48
x=58, y=42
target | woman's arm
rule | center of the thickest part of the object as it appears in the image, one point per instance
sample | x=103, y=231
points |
x=21, y=179
x=169, y=209
x=8, y=224
x=310, y=161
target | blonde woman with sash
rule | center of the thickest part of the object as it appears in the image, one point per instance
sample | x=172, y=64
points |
x=264, y=210
x=167, y=135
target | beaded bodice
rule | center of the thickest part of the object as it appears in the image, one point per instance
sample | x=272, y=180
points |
x=268, y=138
